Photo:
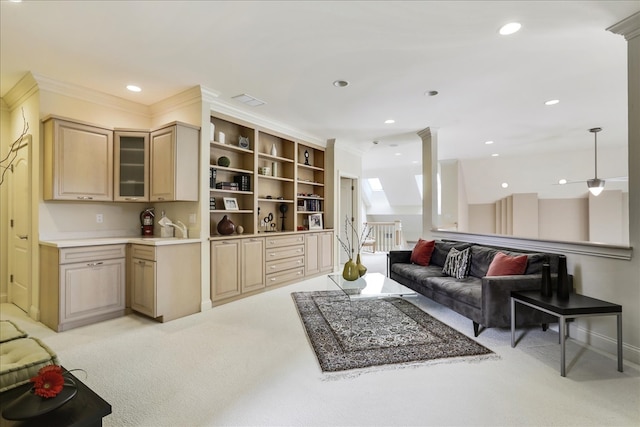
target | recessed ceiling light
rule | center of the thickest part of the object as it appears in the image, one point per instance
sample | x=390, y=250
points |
x=398, y=154
x=488, y=142
x=134, y=88
x=249, y=100
x=562, y=181
x=504, y=185
x=431, y=93
x=552, y=102
x=510, y=28
x=389, y=121
x=341, y=83
x=495, y=155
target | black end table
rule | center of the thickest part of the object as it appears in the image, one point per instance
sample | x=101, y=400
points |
x=84, y=410
x=575, y=306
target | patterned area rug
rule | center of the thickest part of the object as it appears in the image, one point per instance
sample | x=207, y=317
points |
x=365, y=333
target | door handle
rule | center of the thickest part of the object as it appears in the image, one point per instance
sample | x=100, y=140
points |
x=23, y=237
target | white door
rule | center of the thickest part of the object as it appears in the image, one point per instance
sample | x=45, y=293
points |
x=19, y=228
x=347, y=210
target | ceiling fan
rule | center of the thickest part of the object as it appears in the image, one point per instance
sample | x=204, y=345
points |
x=595, y=185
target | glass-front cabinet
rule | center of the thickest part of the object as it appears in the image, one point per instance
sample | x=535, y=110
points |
x=131, y=166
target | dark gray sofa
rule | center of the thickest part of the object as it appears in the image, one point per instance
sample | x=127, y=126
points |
x=484, y=300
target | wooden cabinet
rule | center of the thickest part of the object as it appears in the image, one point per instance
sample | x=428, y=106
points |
x=81, y=285
x=131, y=166
x=78, y=161
x=318, y=253
x=237, y=267
x=165, y=280
x=285, y=259
x=174, y=163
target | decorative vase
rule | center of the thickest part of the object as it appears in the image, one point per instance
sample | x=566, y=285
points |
x=224, y=161
x=563, y=279
x=239, y=229
x=350, y=270
x=362, y=270
x=274, y=151
x=226, y=226
x=545, y=287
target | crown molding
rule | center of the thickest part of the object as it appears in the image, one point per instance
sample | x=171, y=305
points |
x=628, y=27
x=217, y=106
x=180, y=100
x=90, y=95
x=25, y=88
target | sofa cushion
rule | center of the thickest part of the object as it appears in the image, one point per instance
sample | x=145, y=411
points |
x=441, y=250
x=21, y=359
x=505, y=265
x=417, y=273
x=421, y=253
x=481, y=257
x=10, y=331
x=457, y=263
x=467, y=290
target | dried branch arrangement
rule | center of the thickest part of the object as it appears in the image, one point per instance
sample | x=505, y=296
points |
x=7, y=162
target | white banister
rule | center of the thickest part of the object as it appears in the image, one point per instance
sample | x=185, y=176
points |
x=385, y=236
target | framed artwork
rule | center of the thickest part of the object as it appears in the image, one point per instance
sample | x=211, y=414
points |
x=230, y=203
x=315, y=222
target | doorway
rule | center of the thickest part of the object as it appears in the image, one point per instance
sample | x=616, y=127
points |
x=348, y=208
x=19, y=256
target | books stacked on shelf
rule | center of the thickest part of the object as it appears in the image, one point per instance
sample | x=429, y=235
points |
x=227, y=186
x=212, y=203
x=212, y=177
x=243, y=181
x=309, y=206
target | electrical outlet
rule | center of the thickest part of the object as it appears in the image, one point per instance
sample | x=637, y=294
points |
x=192, y=218
x=99, y=218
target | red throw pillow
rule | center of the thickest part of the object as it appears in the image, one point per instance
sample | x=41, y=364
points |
x=421, y=253
x=505, y=265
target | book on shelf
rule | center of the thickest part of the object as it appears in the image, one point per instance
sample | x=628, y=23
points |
x=212, y=177
x=243, y=181
x=307, y=205
x=227, y=186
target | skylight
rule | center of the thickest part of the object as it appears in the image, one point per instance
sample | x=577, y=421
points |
x=375, y=184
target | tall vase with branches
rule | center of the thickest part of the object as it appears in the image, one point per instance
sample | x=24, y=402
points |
x=353, y=270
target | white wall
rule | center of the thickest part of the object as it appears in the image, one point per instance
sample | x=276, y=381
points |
x=564, y=219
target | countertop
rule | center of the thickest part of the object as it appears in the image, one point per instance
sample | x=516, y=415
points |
x=138, y=240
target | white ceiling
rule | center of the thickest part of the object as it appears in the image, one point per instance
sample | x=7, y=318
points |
x=288, y=53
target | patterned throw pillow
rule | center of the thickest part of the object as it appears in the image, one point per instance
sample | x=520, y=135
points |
x=457, y=263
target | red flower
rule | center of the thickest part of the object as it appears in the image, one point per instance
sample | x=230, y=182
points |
x=49, y=381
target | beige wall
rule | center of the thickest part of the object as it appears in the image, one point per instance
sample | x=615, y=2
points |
x=5, y=141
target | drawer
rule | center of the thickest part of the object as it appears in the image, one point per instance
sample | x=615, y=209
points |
x=91, y=253
x=284, y=264
x=279, y=241
x=285, y=252
x=285, y=276
x=143, y=252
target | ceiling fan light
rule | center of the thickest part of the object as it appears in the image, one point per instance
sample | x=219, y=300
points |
x=595, y=186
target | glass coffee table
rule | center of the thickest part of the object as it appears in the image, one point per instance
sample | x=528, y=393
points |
x=371, y=285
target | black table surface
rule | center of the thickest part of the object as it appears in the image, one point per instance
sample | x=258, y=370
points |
x=576, y=304
x=85, y=409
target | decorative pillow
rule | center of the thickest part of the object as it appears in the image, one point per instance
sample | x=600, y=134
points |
x=421, y=253
x=457, y=263
x=505, y=265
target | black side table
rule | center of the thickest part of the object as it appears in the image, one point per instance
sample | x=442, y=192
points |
x=86, y=409
x=576, y=306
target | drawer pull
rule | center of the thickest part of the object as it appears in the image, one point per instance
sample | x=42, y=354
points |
x=132, y=198
x=160, y=198
x=93, y=264
x=141, y=262
x=299, y=273
x=23, y=237
x=273, y=267
x=272, y=254
x=273, y=279
x=299, y=261
x=85, y=198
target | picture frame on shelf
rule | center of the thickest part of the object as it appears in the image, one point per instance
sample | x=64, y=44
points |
x=315, y=222
x=230, y=203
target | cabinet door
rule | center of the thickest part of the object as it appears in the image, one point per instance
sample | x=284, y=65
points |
x=311, y=265
x=252, y=264
x=162, y=158
x=143, y=295
x=131, y=166
x=325, y=251
x=225, y=269
x=78, y=161
x=91, y=289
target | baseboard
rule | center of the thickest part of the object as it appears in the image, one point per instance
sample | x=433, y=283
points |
x=605, y=343
x=206, y=305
